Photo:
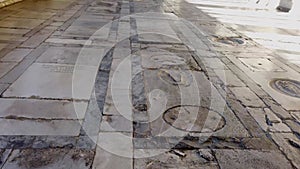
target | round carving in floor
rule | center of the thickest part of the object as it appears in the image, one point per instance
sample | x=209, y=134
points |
x=286, y=86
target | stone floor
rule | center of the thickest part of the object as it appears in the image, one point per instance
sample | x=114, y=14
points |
x=142, y=84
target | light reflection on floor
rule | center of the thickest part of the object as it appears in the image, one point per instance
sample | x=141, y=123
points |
x=261, y=22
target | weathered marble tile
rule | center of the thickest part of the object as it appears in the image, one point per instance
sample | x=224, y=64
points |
x=4, y=154
x=260, y=64
x=33, y=14
x=53, y=81
x=183, y=159
x=105, y=159
x=42, y=109
x=116, y=143
x=214, y=63
x=50, y=158
x=14, y=31
x=62, y=55
x=289, y=144
x=21, y=23
x=116, y=123
x=161, y=31
x=16, y=55
x=156, y=58
x=296, y=115
x=37, y=127
x=229, y=78
x=5, y=67
x=247, y=97
x=236, y=159
x=2, y=45
x=265, y=79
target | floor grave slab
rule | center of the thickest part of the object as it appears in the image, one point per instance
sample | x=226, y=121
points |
x=60, y=55
x=52, y=81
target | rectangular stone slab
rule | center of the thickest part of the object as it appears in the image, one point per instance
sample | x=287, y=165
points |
x=53, y=81
x=38, y=128
x=42, y=109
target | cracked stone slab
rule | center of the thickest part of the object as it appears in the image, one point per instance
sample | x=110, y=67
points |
x=183, y=159
x=264, y=78
x=236, y=159
x=42, y=109
x=289, y=144
x=163, y=95
x=247, y=97
x=267, y=121
x=170, y=57
x=50, y=158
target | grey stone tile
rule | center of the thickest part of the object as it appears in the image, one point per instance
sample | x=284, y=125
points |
x=214, y=63
x=116, y=123
x=185, y=159
x=289, y=144
x=105, y=159
x=62, y=55
x=2, y=45
x=247, y=97
x=53, y=81
x=260, y=64
x=229, y=78
x=50, y=158
x=236, y=159
x=42, y=109
x=16, y=55
x=296, y=115
x=14, y=31
x=21, y=23
x=37, y=127
x=267, y=121
x=4, y=154
x=5, y=67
